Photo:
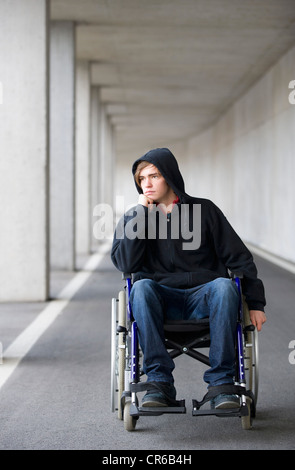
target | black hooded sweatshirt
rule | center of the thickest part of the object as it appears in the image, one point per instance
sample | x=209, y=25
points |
x=174, y=261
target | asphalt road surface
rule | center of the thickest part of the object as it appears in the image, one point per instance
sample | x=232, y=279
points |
x=55, y=388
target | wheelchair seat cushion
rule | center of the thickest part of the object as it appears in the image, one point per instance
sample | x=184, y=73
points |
x=184, y=331
x=186, y=326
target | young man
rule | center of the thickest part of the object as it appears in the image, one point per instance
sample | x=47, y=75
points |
x=179, y=249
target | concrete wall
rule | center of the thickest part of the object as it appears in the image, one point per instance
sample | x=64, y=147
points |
x=246, y=165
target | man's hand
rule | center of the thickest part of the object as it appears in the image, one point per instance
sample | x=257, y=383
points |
x=257, y=318
x=144, y=200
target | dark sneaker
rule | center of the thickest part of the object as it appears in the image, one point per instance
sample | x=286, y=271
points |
x=225, y=401
x=154, y=399
x=160, y=396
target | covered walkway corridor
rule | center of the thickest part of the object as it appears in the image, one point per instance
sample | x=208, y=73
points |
x=85, y=89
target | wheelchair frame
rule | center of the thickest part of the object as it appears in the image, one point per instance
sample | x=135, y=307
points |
x=126, y=356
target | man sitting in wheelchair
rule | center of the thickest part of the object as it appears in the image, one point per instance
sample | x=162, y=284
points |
x=179, y=249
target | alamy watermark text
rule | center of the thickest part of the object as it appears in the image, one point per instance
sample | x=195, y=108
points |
x=184, y=222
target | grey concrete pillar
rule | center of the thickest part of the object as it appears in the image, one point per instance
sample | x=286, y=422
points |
x=83, y=185
x=62, y=145
x=95, y=196
x=24, y=273
x=102, y=171
x=107, y=159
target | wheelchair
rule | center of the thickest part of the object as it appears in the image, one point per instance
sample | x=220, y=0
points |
x=192, y=338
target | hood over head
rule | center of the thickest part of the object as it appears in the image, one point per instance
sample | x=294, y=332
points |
x=167, y=164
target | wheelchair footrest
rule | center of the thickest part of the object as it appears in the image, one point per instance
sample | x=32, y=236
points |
x=157, y=410
x=213, y=392
x=223, y=412
x=228, y=389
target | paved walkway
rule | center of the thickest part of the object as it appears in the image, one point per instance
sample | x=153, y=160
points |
x=55, y=376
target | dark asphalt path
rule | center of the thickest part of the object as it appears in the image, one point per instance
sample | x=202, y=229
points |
x=59, y=395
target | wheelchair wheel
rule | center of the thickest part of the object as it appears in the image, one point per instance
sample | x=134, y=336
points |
x=251, y=357
x=114, y=355
x=118, y=353
x=129, y=421
x=121, y=351
x=251, y=354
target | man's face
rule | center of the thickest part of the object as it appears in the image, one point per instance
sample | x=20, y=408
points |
x=154, y=185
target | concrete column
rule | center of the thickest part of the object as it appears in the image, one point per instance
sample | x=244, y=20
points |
x=83, y=186
x=62, y=145
x=24, y=273
x=107, y=159
x=104, y=178
x=95, y=196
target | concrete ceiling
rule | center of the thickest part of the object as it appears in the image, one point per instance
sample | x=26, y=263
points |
x=168, y=69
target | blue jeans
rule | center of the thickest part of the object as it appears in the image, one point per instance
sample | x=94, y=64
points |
x=217, y=300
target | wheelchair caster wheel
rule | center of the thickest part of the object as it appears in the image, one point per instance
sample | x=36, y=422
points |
x=247, y=420
x=129, y=421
